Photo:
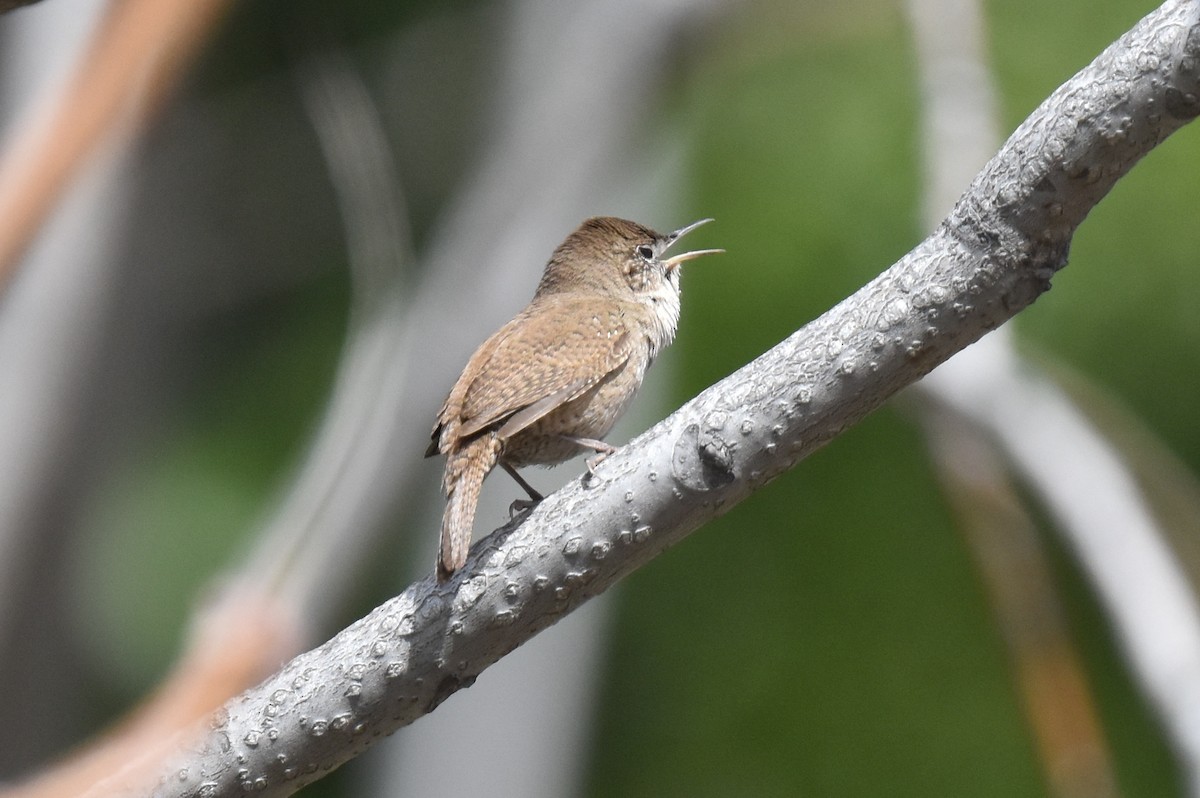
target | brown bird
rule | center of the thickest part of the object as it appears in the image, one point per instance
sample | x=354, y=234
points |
x=552, y=382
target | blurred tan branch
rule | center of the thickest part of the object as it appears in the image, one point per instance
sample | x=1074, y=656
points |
x=1015, y=569
x=139, y=51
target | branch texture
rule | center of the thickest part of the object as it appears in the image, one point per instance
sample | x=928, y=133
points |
x=989, y=259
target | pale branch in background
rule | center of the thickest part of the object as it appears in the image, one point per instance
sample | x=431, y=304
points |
x=989, y=259
x=314, y=542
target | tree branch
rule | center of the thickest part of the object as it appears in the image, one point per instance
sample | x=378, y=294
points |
x=992, y=257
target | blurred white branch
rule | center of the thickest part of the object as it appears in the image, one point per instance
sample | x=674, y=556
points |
x=993, y=255
x=38, y=341
x=52, y=319
x=959, y=119
x=315, y=541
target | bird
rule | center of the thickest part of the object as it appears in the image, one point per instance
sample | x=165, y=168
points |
x=552, y=382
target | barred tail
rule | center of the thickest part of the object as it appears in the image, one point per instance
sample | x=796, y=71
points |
x=465, y=471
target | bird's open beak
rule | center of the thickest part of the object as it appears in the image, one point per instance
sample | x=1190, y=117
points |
x=675, y=260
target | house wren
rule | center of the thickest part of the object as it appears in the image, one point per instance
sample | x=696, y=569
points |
x=552, y=382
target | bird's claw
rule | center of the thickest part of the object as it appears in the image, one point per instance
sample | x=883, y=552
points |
x=521, y=507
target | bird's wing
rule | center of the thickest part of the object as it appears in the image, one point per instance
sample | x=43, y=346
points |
x=531, y=413
x=528, y=368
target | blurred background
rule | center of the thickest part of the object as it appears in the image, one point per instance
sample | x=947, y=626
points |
x=223, y=344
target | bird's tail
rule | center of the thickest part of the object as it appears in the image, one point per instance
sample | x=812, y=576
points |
x=465, y=470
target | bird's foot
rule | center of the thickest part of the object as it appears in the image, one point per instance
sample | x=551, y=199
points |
x=602, y=450
x=522, y=507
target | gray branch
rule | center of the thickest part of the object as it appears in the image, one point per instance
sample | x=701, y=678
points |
x=989, y=259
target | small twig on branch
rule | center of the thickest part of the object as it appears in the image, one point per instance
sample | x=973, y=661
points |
x=989, y=259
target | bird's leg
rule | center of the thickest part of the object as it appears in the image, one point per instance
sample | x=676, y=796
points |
x=521, y=505
x=601, y=448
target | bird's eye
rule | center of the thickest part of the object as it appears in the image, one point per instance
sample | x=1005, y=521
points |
x=645, y=252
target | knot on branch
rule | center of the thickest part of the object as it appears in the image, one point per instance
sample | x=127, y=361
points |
x=702, y=461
